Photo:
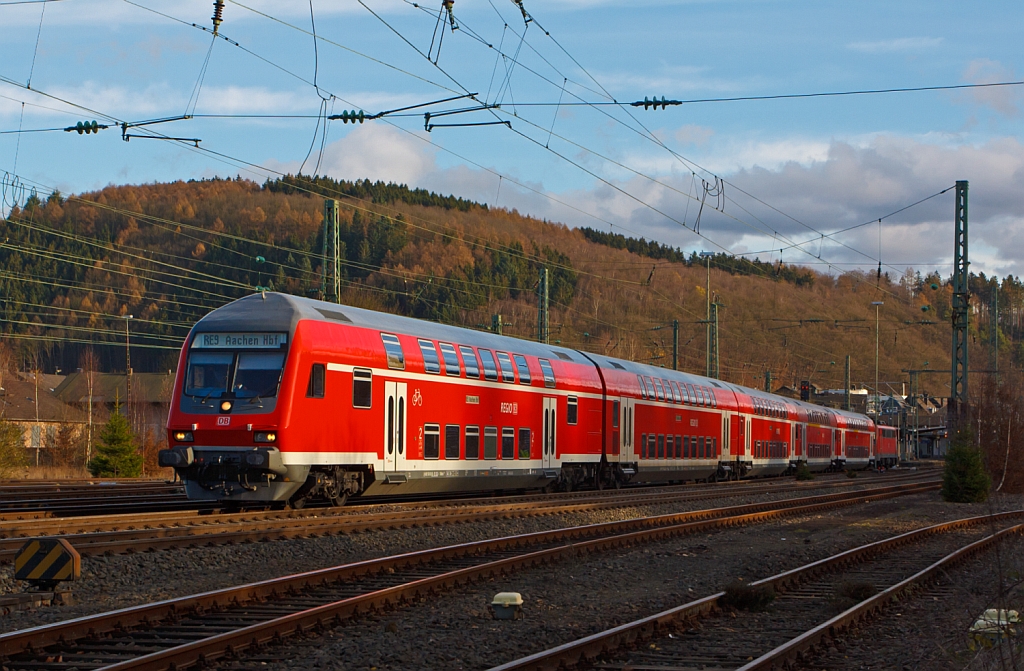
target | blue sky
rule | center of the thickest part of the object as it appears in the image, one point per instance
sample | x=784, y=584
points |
x=814, y=165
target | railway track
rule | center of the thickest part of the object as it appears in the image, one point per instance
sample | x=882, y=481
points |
x=184, y=632
x=156, y=531
x=21, y=500
x=812, y=605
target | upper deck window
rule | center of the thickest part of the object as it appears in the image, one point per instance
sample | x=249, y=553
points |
x=506, y=368
x=431, y=362
x=643, y=387
x=524, y=370
x=490, y=368
x=469, y=358
x=396, y=357
x=659, y=390
x=451, y=360
x=549, y=373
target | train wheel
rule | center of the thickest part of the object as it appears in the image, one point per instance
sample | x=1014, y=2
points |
x=340, y=500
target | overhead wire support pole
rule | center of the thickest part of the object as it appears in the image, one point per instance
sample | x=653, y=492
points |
x=675, y=344
x=961, y=302
x=543, y=325
x=331, y=290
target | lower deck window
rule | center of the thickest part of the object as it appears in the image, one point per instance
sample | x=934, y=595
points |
x=700, y=447
x=362, y=386
x=490, y=442
x=679, y=446
x=452, y=449
x=670, y=447
x=652, y=440
x=661, y=446
x=431, y=441
x=524, y=443
x=472, y=442
x=508, y=443
x=643, y=445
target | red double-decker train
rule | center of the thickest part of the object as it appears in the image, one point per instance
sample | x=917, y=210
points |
x=285, y=399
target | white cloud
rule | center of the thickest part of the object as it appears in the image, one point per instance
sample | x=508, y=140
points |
x=1004, y=99
x=900, y=44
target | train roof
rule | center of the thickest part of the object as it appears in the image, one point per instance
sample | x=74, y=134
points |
x=277, y=312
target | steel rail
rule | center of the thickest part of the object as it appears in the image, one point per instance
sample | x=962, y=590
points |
x=205, y=530
x=614, y=534
x=658, y=625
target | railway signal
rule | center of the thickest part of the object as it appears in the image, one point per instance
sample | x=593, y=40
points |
x=805, y=390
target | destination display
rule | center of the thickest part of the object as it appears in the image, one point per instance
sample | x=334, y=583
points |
x=239, y=340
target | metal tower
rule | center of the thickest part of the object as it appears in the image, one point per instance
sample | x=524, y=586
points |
x=543, y=326
x=330, y=277
x=961, y=299
x=713, y=368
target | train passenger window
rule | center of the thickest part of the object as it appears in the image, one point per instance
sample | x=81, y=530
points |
x=490, y=368
x=572, y=412
x=706, y=393
x=693, y=395
x=472, y=442
x=396, y=358
x=508, y=443
x=431, y=441
x=431, y=362
x=362, y=386
x=315, y=388
x=714, y=401
x=700, y=447
x=643, y=387
x=679, y=446
x=451, y=360
x=643, y=445
x=615, y=414
x=506, y=368
x=652, y=441
x=549, y=374
x=670, y=446
x=522, y=368
x=661, y=445
x=714, y=447
x=469, y=358
x=524, y=443
x=658, y=389
x=490, y=442
x=451, y=441
x=675, y=391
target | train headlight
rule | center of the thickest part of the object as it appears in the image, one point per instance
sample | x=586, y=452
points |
x=265, y=436
x=225, y=406
x=183, y=436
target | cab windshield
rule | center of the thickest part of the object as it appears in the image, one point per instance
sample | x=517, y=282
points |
x=243, y=374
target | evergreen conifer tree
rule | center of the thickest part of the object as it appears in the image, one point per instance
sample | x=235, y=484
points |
x=964, y=479
x=116, y=456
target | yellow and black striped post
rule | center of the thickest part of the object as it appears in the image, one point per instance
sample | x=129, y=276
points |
x=47, y=561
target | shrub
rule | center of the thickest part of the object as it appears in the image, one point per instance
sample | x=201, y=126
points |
x=802, y=472
x=851, y=474
x=741, y=596
x=964, y=479
x=116, y=456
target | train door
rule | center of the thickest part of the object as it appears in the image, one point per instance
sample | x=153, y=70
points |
x=394, y=425
x=626, y=429
x=736, y=438
x=550, y=430
x=725, y=450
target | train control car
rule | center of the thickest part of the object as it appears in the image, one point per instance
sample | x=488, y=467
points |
x=280, y=399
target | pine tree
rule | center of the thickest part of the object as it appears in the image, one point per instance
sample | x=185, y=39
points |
x=116, y=456
x=12, y=449
x=964, y=479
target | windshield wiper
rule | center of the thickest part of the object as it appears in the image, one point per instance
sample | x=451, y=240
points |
x=256, y=400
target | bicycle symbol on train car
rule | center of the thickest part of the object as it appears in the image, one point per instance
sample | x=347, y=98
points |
x=417, y=398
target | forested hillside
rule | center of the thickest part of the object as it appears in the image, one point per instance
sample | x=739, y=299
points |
x=71, y=269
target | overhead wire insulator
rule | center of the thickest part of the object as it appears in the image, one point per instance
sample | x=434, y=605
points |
x=355, y=116
x=85, y=127
x=218, y=15
x=648, y=103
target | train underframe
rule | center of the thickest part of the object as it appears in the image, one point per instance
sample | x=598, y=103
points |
x=248, y=477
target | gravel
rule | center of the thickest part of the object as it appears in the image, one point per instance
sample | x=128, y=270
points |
x=567, y=600
x=930, y=630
